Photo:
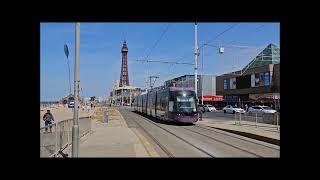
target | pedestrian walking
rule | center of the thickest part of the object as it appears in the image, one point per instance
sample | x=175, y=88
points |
x=246, y=107
x=48, y=118
x=91, y=105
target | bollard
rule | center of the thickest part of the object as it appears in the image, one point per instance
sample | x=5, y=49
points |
x=105, y=117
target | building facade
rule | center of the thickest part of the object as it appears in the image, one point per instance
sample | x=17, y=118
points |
x=123, y=95
x=206, y=88
x=257, y=83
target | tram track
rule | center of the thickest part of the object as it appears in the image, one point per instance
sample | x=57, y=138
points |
x=239, y=144
x=183, y=139
x=161, y=146
x=232, y=136
x=217, y=140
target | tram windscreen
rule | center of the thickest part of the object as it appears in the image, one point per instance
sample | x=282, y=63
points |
x=186, y=102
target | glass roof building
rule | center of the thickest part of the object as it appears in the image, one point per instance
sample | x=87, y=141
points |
x=258, y=81
x=270, y=55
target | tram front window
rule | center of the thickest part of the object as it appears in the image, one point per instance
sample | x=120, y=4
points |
x=186, y=103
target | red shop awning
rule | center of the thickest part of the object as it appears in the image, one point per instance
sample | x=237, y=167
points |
x=212, y=98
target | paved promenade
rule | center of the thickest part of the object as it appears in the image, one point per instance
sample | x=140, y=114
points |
x=113, y=139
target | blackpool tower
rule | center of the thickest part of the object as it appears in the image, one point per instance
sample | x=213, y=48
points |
x=124, y=76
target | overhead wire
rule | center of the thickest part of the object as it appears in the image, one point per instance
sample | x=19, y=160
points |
x=154, y=45
x=217, y=36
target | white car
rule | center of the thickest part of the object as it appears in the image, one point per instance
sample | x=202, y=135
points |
x=209, y=107
x=71, y=104
x=261, y=109
x=230, y=109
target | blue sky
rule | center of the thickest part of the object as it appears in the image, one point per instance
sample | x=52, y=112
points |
x=100, y=52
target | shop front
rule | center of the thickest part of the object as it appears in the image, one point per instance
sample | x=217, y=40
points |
x=267, y=99
x=216, y=101
x=239, y=100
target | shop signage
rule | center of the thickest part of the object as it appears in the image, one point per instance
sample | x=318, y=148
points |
x=231, y=97
x=212, y=98
x=264, y=96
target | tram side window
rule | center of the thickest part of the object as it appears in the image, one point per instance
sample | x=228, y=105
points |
x=151, y=100
x=162, y=102
x=158, y=101
x=171, y=102
x=155, y=100
x=171, y=106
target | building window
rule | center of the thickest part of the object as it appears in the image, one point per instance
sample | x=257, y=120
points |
x=225, y=84
x=266, y=79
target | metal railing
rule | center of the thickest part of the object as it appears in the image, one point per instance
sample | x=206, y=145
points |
x=51, y=143
x=49, y=105
x=258, y=119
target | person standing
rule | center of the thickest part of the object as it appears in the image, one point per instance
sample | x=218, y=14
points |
x=246, y=106
x=48, y=118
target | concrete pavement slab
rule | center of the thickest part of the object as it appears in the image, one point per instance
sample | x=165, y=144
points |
x=113, y=139
x=263, y=132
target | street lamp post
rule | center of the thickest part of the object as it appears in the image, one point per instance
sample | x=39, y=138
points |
x=202, y=76
x=75, y=128
x=196, y=59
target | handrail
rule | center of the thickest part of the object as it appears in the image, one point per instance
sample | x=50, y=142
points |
x=63, y=121
x=67, y=123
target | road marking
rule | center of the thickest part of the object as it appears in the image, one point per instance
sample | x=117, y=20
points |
x=150, y=150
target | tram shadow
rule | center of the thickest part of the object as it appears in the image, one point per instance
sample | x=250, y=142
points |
x=160, y=121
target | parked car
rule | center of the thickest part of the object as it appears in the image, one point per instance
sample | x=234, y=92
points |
x=71, y=104
x=209, y=107
x=261, y=109
x=230, y=109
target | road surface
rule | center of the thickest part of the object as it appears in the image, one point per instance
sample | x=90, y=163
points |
x=218, y=115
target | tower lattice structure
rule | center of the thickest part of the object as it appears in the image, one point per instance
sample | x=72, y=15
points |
x=124, y=76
